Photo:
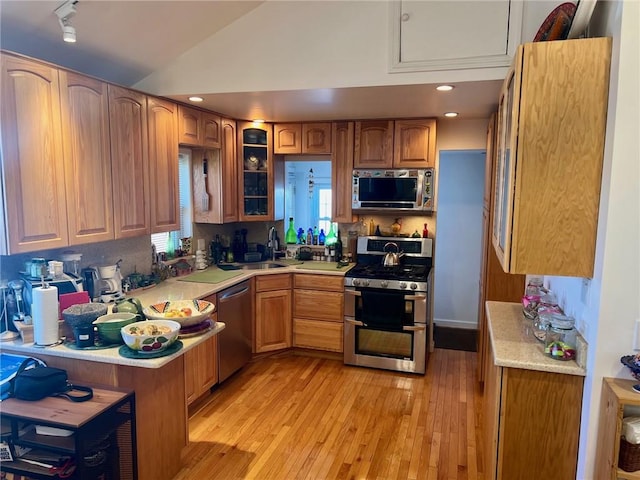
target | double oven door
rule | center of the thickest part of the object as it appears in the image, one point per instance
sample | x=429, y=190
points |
x=385, y=329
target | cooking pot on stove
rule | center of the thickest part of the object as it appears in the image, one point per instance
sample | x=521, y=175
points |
x=392, y=259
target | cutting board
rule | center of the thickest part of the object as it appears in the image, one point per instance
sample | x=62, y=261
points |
x=324, y=266
x=211, y=276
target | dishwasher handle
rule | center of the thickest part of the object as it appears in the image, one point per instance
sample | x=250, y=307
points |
x=228, y=294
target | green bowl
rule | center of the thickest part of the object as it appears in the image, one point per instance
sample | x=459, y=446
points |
x=109, y=326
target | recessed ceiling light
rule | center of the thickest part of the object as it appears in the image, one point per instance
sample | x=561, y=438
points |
x=196, y=99
x=444, y=88
x=451, y=114
x=258, y=120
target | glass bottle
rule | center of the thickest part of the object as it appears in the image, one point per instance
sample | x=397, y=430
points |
x=301, y=237
x=315, y=235
x=560, y=338
x=290, y=236
x=309, y=236
x=331, y=236
x=425, y=231
x=338, y=247
x=171, y=249
x=322, y=237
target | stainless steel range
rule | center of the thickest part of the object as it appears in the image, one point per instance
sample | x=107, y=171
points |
x=387, y=308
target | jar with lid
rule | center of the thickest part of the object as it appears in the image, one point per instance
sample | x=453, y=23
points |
x=560, y=337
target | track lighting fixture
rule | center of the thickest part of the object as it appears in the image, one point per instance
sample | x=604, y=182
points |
x=64, y=13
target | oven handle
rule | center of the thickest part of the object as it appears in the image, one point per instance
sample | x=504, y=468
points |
x=414, y=328
x=415, y=297
x=355, y=293
x=355, y=322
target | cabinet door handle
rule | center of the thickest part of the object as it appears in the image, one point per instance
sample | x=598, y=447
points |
x=414, y=328
x=415, y=297
x=229, y=295
x=355, y=293
x=354, y=322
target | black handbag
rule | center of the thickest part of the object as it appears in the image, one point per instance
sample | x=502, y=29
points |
x=40, y=382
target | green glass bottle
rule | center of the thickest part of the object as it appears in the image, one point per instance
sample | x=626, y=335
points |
x=331, y=237
x=290, y=236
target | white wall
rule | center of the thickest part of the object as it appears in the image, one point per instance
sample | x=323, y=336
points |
x=612, y=303
x=459, y=238
x=290, y=45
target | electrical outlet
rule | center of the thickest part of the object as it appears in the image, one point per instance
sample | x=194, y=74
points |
x=586, y=289
x=636, y=336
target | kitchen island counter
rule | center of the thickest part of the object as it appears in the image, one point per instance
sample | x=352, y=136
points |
x=514, y=345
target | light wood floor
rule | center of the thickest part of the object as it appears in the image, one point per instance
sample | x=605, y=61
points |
x=299, y=417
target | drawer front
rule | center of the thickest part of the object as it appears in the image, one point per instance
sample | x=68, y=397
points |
x=331, y=283
x=265, y=283
x=317, y=335
x=318, y=305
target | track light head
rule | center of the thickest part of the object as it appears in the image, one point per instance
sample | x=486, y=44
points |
x=64, y=13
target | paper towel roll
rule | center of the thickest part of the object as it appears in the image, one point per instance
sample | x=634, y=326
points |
x=44, y=310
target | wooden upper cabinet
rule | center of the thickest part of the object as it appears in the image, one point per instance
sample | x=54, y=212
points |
x=302, y=138
x=198, y=128
x=287, y=138
x=395, y=144
x=548, y=173
x=414, y=143
x=87, y=158
x=316, y=138
x=129, y=162
x=32, y=156
x=164, y=195
x=373, y=144
x=229, y=163
x=342, y=171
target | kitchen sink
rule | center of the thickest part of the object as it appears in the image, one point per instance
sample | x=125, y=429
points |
x=261, y=266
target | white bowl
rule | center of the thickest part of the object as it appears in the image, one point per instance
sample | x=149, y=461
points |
x=150, y=336
x=185, y=312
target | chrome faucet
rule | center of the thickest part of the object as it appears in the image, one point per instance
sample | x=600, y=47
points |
x=271, y=242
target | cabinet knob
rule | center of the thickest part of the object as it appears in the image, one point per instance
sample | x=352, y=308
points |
x=405, y=17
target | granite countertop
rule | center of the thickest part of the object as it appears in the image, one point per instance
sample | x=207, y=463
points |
x=108, y=355
x=183, y=288
x=515, y=346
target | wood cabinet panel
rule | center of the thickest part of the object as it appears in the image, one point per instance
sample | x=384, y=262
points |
x=316, y=138
x=265, y=283
x=531, y=415
x=201, y=368
x=32, y=156
x=318, y=335
x=414, y=143
x=130, y=162
x=373, y=146
x=342, y=138
x=550, y=166
x=198, y=128
x=318, y=305
x=211, y=126
x=87, y=158
x=318, y=282
x=287, y=138
x=273, y=320
x=229, y=161
x=163, y=165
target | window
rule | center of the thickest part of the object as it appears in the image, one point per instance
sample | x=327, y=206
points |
x=161, y=240
x=308, y=192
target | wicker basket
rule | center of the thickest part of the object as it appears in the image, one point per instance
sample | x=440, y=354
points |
x=629, y=459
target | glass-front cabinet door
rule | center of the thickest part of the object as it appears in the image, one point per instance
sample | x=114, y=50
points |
x=505, y=173
x=256, y=165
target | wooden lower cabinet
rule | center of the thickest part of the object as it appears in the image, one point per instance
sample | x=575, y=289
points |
x=201, y=369
x=532, y=423
x=273, y=313
x=616, y=396
x=318, y=304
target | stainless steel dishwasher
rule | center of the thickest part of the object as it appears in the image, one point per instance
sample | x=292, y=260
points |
x=234, y=342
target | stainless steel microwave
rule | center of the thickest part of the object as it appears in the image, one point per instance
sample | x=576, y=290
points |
x=392, y=190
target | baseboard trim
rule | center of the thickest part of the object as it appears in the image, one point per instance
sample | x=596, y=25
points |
x=443, y=322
